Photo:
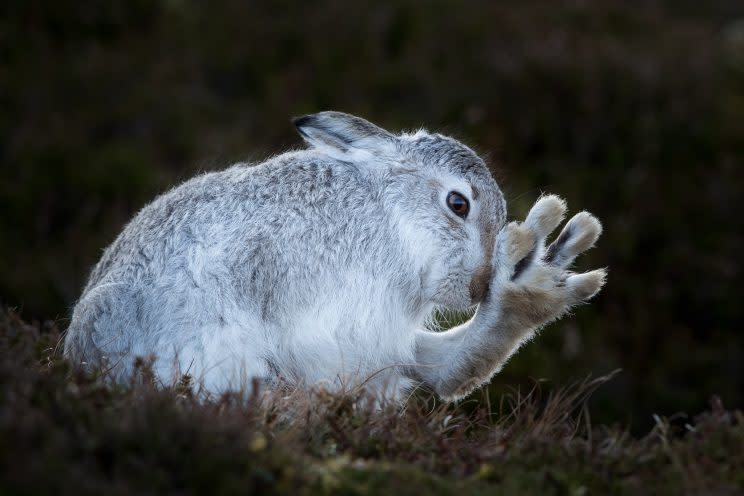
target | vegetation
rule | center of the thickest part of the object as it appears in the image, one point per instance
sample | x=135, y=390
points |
x=67, y=432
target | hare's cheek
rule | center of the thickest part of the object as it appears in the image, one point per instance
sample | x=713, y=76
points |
x=487, y=235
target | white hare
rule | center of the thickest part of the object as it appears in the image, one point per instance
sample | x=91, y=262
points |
x=323, y=266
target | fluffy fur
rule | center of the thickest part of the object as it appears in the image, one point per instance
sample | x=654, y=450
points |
x=322, y=266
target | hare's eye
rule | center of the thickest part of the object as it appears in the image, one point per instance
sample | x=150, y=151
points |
x=458, y=204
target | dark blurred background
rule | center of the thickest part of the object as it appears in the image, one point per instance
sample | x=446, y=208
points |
x=632, y=110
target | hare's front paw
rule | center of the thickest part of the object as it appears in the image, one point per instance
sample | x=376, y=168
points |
x=534, y=285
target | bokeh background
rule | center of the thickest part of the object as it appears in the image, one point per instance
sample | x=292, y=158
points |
x=631, y=110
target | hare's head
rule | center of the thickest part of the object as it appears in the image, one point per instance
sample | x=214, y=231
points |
x=441, y=197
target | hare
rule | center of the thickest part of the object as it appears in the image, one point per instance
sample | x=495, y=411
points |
x=323, y=267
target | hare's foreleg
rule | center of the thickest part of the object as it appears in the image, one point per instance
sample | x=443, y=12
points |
x=530, y=287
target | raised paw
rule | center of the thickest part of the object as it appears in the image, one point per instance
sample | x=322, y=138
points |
x=534, y=279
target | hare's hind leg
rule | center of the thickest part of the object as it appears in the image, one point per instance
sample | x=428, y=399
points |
x=101, y=330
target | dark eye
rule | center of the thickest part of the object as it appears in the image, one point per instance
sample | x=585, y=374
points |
x=458, y=204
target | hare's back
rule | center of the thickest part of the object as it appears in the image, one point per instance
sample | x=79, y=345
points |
x=287, y=211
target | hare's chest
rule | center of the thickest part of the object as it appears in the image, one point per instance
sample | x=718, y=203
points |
x=349, y=335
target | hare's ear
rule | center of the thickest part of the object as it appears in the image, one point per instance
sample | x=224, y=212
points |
x=340, y=134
